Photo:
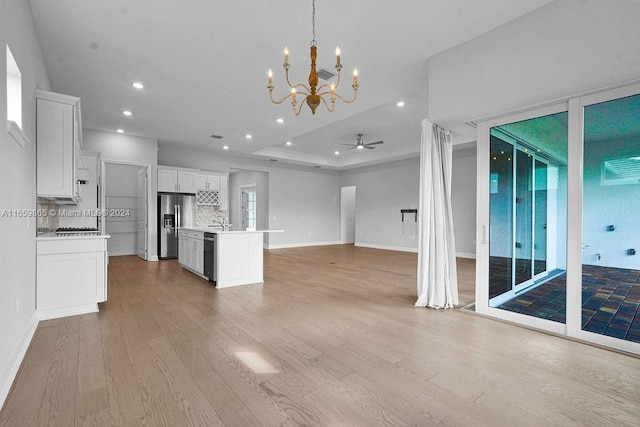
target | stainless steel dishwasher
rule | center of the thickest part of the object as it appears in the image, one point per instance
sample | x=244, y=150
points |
x=210, y=256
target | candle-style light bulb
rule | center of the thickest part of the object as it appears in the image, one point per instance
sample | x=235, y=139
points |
x=333, y=91
x=337, y=55
x=355, y=72
x=270, y=74
x=286, y=54
x=355, y=77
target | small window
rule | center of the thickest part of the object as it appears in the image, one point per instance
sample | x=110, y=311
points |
x=621, y=171
x=14, y=90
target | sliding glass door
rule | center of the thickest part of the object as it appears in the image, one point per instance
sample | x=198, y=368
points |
x=580, y=160
x=522, y=206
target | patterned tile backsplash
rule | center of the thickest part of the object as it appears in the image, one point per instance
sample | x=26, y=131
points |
x=206, y=215
x=47, y=223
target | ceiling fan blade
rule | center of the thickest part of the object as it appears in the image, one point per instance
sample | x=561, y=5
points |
x=375, y=143
x=355, y=146
x=368, y=148
x=349, y=145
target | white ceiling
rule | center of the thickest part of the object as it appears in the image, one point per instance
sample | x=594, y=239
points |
x=204, y=67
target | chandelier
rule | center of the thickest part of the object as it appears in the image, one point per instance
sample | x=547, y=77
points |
x=313, y=95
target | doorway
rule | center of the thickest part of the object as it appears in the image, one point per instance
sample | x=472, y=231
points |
x=348, y=214
x=143, y=203
x=249, y=207
x=125, y=213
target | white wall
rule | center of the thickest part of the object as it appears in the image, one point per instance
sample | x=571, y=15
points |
x=563, y=48
x=128, y=149
x=463, y=200
x=381, y=191
x=17, y=173
x=303, y=202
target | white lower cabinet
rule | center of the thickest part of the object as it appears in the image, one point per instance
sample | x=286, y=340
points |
x=71, y=276
x=191, y=250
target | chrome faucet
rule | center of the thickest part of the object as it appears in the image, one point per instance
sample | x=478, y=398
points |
x=223, y=224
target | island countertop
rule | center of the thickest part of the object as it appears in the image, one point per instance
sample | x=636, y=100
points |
x=217, y=230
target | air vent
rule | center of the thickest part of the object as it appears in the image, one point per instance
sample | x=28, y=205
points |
x=325, y=74
x=273, y=160
x=214, y=136
x=317, y=167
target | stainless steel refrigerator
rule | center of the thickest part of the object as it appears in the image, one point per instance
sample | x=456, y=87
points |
x=174, y=212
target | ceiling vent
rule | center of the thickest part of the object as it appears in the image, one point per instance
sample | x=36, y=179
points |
x=214, y=136
x=273, y=160
x=325, y=74
x=317, y=167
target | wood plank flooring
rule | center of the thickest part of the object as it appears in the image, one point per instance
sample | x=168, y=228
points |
x=331, y=338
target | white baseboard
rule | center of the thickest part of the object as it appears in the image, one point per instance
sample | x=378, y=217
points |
x=11, y=370
x=67, y=311
x=465, y=255
x=387, y=247
x=300, y=245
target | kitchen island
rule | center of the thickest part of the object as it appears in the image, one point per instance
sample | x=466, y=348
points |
x=237, y=255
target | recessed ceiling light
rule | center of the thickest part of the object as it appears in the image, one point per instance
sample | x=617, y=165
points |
x=120, y=131
x=126, y=113
x=288, y=142
x=400, y=104
x=225, y=147
x=248, y=136
x=137, y=85
x=280, y=120
x=336, y=152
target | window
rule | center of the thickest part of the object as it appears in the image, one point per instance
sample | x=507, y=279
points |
x=14, y=90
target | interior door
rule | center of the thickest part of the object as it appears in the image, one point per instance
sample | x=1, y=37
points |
x=142, y=212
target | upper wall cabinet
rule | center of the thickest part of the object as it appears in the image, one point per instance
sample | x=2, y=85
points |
x=59, y=142
x=176, y=181
x=207, y=181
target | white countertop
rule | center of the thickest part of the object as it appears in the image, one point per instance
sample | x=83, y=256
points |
x=217, y=230
x=54, y=236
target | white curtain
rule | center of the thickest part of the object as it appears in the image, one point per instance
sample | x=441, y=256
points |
x=437, y=274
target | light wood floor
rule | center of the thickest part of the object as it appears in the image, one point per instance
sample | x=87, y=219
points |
x=330, y=338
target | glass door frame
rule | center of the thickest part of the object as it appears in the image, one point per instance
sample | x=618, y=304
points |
x=483, y=221
x=573, y=326
x=574, y=228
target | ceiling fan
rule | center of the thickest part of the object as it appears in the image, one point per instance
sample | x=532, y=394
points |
x=360, y=144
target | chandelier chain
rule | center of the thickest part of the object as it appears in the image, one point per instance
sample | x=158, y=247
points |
x=313, y=22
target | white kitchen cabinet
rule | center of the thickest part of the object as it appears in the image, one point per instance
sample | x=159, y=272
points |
x=167, y=180
x=224, y=193
x=191, y=250
x=71, y=275
x=206, y=181
x=176, y=181
x=58, y=146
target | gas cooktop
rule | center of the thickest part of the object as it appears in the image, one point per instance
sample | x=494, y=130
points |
x=77, y=231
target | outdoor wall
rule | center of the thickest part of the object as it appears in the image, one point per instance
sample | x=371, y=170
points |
x=605, y=205
x=17, y=173
x=381, y=191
